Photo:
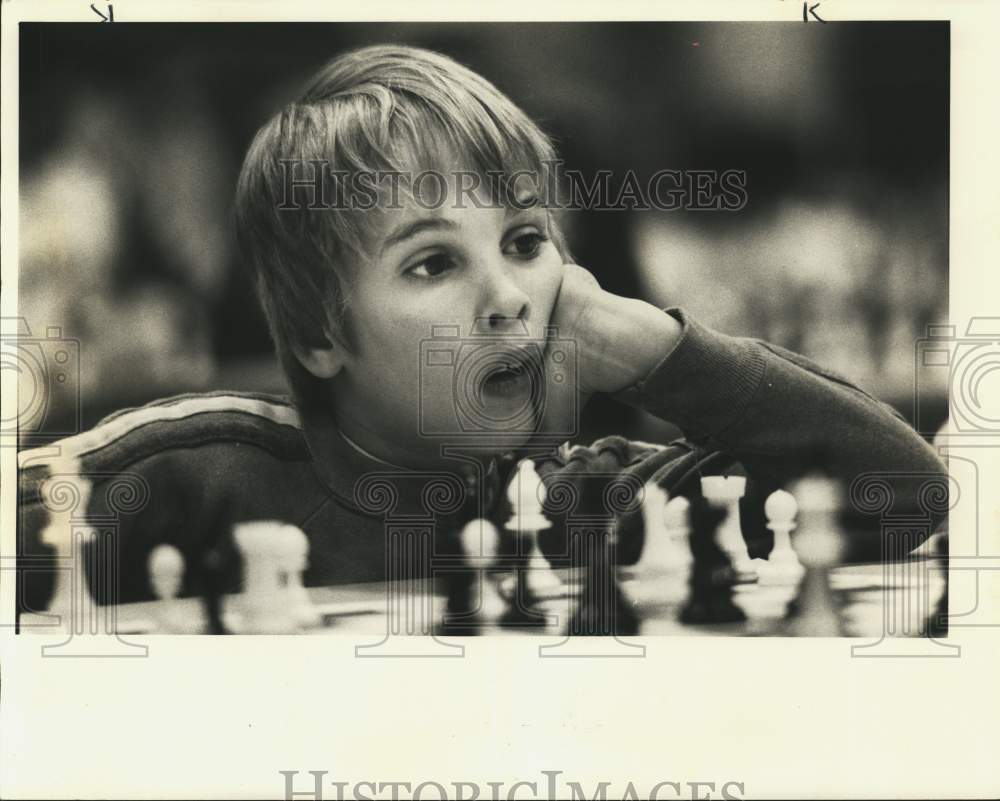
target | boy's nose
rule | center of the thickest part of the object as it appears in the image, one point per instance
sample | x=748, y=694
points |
x=498, y=323
x=507, y=304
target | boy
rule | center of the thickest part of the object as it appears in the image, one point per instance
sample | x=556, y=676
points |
x=359, y=275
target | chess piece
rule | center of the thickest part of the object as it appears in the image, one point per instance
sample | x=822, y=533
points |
x=666, y=556
x=725, y=492
x=675, y=523
x=526, y=494
x=70, y=594
x=602, y=608
x=471, y=597
x=166, y=574
x=769, y=601
x=264, y=601
x=819, y=546
x=531, y=574
x=782, y=566
x=295, y=559
x=712, y=579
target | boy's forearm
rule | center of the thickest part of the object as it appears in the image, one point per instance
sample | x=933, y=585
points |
x=778, y=413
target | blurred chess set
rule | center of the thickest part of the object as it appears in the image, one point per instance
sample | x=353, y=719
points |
x=694, y=577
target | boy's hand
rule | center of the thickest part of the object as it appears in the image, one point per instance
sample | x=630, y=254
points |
x=618, y=340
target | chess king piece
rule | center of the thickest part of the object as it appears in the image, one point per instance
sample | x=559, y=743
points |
x=265, y=605
x=532, y=575
x=725, y=492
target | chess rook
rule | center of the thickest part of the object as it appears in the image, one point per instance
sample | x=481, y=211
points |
x=712, y=577
x=725, y=492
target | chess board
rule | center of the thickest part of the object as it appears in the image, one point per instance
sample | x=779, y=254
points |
x=870, y=600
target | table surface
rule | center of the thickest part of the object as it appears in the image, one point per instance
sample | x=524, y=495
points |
x=866, y=600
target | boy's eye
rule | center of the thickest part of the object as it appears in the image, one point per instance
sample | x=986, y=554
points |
x=526, y=245
x=432, y=266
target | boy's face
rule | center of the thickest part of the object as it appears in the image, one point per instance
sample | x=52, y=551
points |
x=490, y=274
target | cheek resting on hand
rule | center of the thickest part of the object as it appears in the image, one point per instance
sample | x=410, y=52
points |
x=618, y=340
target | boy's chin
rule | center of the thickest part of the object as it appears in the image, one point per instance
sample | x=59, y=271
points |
x=487, y=443
x=498, y=442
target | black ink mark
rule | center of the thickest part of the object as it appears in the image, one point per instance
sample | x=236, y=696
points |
x=111, y=13
x=811, y=9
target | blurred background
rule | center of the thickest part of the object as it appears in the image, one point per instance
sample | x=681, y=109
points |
x=132, y=136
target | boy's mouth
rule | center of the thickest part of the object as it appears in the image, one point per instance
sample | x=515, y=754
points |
x=507, y=381
x=509, y=377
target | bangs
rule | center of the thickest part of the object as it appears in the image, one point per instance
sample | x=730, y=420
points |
x=417, y=115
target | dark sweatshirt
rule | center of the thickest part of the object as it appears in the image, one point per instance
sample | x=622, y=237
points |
x=185, y=469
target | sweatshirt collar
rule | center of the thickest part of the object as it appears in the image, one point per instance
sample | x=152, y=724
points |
x=472, y=487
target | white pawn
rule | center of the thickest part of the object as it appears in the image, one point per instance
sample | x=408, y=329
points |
x=782, y=567
x=166, y=575
x=264, y=600
x=526, y=494
x=818, y=541
x=666, y=557
x=726, y=491
x=819, y=546
x=480, y=543
x=665, y=549
x=296, y=559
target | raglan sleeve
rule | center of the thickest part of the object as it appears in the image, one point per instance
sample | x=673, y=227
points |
x=778, y=413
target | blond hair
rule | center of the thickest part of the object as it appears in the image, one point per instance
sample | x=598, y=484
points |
x=383, y=108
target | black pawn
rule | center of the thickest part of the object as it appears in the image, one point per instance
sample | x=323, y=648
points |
x=214, y=585
x=220, y=571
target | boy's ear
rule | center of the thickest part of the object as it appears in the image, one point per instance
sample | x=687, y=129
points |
x=323, y=362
